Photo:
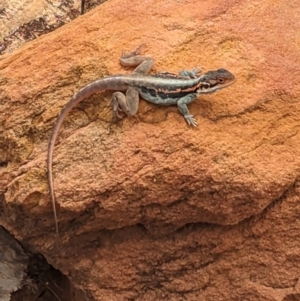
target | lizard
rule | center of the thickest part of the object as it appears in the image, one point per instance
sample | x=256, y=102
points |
x=161, y=88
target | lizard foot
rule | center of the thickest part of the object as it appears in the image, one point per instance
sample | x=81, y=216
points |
x=116, y=116
x=194, y=73
x=191, y=120
x=135, y=52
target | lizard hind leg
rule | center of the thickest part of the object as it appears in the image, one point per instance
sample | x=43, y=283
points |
x=143, y=64
x=118, y=101
x=129, y=104
x=144, y=67
x=132, y=100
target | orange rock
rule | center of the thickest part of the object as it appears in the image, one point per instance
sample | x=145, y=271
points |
x=153, y=209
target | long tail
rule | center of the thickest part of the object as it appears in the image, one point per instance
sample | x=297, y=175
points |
x=108, y=83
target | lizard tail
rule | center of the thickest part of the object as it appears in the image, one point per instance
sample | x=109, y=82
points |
x=108, y=83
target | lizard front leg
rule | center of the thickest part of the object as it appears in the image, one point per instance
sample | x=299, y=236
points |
x=194, y=73
x=182, y=106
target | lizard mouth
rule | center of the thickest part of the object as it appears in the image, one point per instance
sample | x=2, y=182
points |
x=215, y=88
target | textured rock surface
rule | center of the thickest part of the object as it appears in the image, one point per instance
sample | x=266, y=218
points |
x=24, y=20
x=25, y=276
x=13, y=265
x=154, y=210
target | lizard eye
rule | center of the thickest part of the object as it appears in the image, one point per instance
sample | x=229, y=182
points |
x=221, y=80
x=206, y=86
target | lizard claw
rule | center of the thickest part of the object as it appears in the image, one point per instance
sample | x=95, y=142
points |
x=110, y=102
x=191, y=120
x=135, y=52
x=197, y=71
x=117, y=116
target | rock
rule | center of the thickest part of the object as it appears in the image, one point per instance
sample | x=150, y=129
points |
x=13, y=265
x=153, y=209
x=24, y=20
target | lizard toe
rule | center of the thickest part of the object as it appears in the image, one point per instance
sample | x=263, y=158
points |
x=191, y=120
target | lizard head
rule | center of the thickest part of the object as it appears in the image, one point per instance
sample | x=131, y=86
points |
x=215, y=80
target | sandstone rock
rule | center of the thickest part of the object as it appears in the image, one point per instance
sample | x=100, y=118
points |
x=25, y=20
x=13, y=265
x=153, y=209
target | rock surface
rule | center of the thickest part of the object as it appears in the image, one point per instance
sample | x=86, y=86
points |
x=153, y=209
x=25, y=20
x=13, y=265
